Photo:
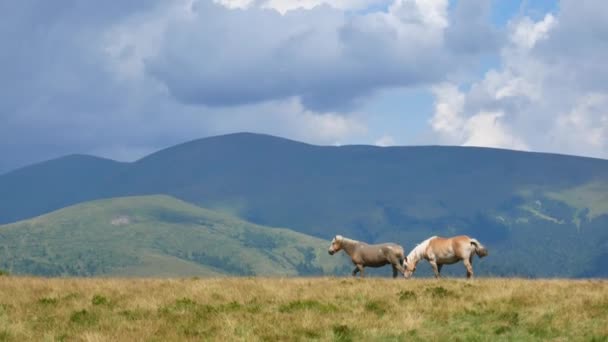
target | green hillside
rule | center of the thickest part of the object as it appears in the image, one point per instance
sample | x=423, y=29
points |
x=156, y=236
x=540, y=214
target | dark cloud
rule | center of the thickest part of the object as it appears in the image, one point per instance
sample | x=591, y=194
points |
x=121, y=79
x=222, y=57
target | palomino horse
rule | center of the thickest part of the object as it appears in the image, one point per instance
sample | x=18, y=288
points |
x=363, y=254
x=441, y=251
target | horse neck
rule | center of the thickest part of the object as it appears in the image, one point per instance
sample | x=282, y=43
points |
x=419, y=251
x=415, y=256
x=349, y=246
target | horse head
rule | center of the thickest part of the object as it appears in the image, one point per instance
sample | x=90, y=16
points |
x=336, y=245
x=410, y=267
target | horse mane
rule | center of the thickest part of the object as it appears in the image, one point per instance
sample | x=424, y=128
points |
x=418, y=251
x=347, y=240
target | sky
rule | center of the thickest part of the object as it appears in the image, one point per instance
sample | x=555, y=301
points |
x=121, y=79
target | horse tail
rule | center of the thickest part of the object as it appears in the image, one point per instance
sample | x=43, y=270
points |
x=480, y=250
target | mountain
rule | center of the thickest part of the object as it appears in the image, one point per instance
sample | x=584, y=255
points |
x=54, y=184
x=540, y=214
x=157, y=236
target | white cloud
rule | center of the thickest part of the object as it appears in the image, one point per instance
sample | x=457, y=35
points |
x=526, y=33
x=284, y=6
x=481, y=129
x=448, y=120
x=486, y=129
x=385, y=140
x=432, y=13
x=548, y=94
x=585, y=125
x=242, y=4
x=291, y=119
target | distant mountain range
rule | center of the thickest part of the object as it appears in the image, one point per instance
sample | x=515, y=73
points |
x=540, y=214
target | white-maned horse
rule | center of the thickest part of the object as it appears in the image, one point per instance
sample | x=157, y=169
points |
x=440, y=251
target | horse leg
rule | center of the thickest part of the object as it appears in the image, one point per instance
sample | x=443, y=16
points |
x=397, y=266
x=435, y=268
x=360, y=269
x=439, y=266
x=355, y=271
x=467, y=264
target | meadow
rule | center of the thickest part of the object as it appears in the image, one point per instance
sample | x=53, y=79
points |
x=297, y=309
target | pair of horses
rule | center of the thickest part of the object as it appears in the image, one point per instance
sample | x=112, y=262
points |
x=437, y=250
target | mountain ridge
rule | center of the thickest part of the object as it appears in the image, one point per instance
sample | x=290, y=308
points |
x=278, y=138
x=504, y=198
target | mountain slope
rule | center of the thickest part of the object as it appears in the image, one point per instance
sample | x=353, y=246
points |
x=280, y=182
x=54, y=184
x=352, y=188
x=156, y=236
x=532, y=209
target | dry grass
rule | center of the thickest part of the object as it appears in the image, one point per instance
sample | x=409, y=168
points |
x=302, y=309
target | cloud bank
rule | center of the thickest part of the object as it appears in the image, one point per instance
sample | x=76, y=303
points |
x=549, y=94
x=124, y=79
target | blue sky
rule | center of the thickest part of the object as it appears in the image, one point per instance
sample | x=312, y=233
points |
x=125, y=78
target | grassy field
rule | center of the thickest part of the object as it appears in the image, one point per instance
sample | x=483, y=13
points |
x=302, y=309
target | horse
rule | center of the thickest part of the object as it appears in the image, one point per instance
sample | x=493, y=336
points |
x=363, y=254
x=441, y=251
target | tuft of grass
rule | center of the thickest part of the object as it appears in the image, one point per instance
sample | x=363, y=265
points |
x=99, y=300
x=308, y=334
x=342, y=333
x=406, y=295
x=48, y=301
x=439, y=292
x=298, y=305
x=179, y=307
x=379, y=307
x=4, y=273
x=133, y=315
x=232, y=306
x=83, y=317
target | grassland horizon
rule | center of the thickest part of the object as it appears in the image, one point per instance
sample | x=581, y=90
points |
x=293, y=309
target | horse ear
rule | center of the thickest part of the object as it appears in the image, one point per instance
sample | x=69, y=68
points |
x=338, y=237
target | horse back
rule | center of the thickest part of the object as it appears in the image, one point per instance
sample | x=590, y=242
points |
x=452, y=249
x=379, y=254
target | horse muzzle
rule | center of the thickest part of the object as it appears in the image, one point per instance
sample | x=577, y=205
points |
x=331, y=252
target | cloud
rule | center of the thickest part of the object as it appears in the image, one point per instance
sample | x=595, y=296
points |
x=284, y=6
x=548, y=94
x=385, y=140
x=448, y=120
x=291, y=119
x=470, y=31
x=526, y=33
x=221, y=57
x=486, y=129
x=122, y=79
x=585, y=126
x=76, y=82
